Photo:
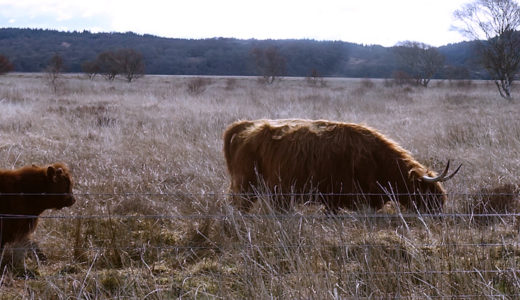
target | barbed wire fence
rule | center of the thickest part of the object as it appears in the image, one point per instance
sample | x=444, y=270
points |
x=407, y=212
x=511, y=245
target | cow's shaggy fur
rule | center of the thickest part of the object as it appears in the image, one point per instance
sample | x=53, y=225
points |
x=25, y=193
x=357, y=162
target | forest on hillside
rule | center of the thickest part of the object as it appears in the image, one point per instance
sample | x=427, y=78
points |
x=29, y=50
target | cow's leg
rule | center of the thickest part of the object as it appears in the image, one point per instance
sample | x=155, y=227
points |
x=2, y=256
x=21, y=248
x=18, y=252
x=242, y=193
x=35, y=249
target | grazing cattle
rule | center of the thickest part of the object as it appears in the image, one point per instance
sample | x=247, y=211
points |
x=348, y=165
x=25, y=193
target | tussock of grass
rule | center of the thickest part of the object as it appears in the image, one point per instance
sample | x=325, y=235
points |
x=155, y=220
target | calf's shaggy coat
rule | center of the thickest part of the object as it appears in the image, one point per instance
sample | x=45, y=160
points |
x=25, y=193
x=346, y=164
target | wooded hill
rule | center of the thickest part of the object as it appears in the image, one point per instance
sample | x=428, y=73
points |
x=30, y=50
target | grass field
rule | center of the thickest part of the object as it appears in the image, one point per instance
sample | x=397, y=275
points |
x=152, y=221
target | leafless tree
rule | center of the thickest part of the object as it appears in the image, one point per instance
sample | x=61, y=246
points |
x=269, y=62
x=419, y=60
x=91, y=68
x=109, y=65
x=53, y=70
x=315, y=79
x=494, y=23
x=126, y=62
x=5, y=65
x=131, y=63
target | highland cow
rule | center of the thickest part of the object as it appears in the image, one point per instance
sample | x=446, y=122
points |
x=346, y=165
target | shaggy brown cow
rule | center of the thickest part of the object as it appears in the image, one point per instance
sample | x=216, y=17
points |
x=356, y=163
x=25, y=193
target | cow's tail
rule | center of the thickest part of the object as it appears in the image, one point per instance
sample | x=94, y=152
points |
x=229, y=136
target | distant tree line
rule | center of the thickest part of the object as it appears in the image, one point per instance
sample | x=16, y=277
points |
x=29, y=50
x=493, y=53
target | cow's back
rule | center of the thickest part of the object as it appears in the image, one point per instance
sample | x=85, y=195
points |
x=327, y=156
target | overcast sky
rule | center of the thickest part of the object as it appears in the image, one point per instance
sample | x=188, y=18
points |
x=382, y=22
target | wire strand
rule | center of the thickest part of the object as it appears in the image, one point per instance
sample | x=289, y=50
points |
x=256, y=194
x=277, y=216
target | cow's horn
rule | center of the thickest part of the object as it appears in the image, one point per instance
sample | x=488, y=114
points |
x=442, y=177
x=452, y=174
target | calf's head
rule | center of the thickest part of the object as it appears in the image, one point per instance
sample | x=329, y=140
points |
x=59, y=187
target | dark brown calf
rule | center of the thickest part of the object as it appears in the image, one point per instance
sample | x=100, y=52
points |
x=25, y=193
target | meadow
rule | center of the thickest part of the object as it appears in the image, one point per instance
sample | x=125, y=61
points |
x=152, y=220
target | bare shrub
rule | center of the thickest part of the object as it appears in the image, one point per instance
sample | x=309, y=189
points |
x=462, y=83
x=502, y=199
x=53, y=72
x=459, y=99
x=231, y=84
x=407, y=89
x=5, y=65
x=315, y=79
x=261, y=80
x=197, y=85
x=402, y=78
x=367, y=83
x=440, y=83
x=105, y=121
x=388, y=82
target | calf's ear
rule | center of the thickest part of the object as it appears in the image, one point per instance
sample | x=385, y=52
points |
x=53, y=173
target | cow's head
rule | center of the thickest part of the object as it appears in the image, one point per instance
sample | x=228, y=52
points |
x=430, y=195
x=59, y=182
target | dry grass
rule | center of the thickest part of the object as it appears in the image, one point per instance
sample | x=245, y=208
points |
x=153, y=148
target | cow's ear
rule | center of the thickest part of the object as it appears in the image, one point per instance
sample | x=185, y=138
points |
x=414, y=173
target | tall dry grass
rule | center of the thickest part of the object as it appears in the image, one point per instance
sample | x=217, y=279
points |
x=152, y=220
